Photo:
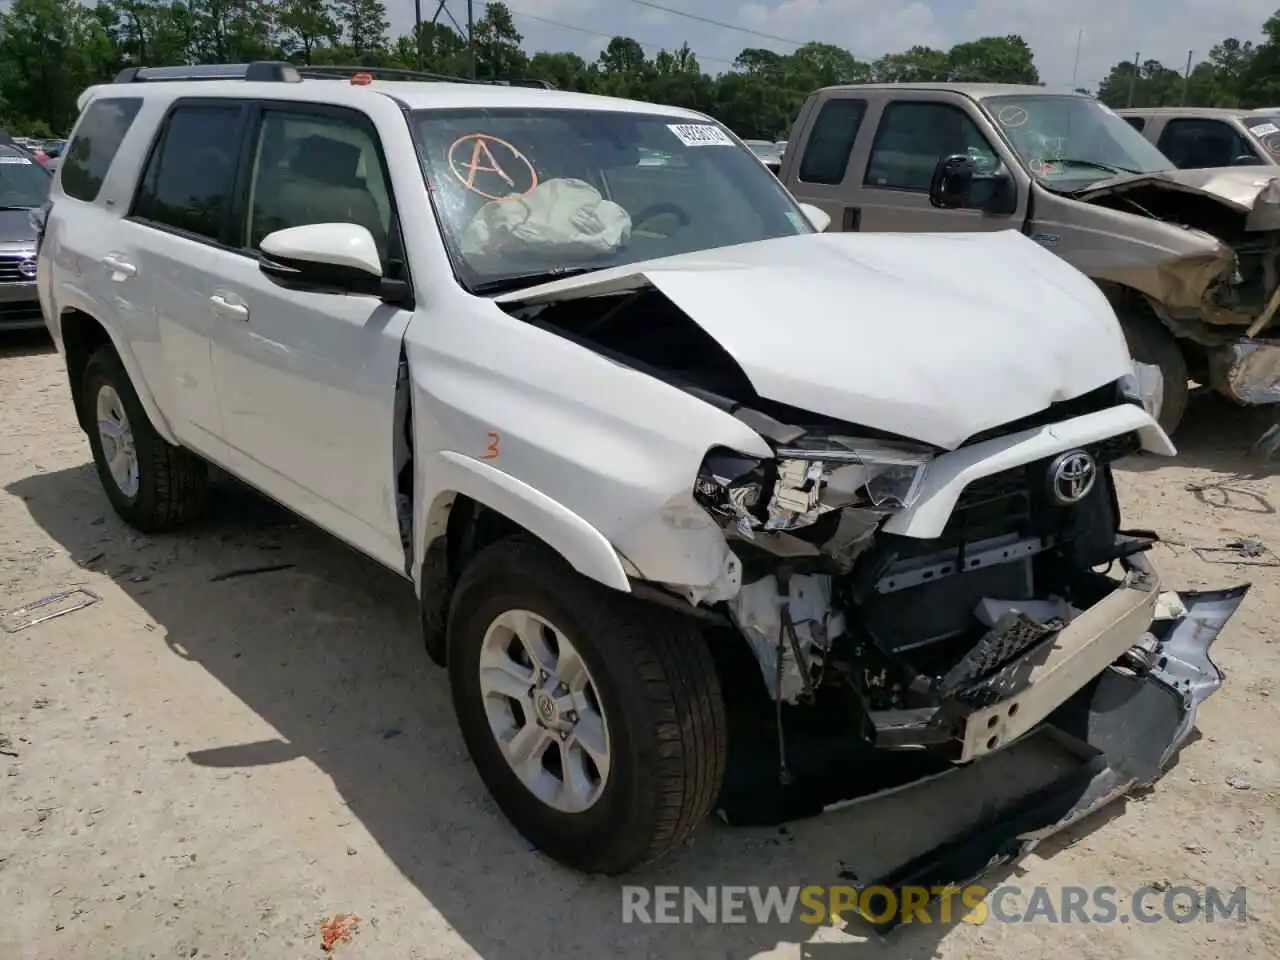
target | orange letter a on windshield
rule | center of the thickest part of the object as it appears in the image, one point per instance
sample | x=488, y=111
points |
x=474, y=167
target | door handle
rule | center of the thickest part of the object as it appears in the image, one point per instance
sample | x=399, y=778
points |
x=223, y=305
x=122, y=268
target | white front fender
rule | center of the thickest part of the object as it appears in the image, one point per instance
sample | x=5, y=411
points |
x=585, y=548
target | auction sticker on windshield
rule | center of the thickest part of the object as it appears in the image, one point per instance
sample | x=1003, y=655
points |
x=26, y=160
x=700, y=135
x=1264, y=129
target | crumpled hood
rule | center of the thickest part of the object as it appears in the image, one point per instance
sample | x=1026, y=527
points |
x=1253, y=191
x=935, y=337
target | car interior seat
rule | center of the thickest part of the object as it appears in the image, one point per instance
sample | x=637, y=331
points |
x=322, y=186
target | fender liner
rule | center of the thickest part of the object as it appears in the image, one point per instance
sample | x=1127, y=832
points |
x=585, y=548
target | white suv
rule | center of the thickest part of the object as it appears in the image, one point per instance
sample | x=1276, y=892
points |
x=705, y=508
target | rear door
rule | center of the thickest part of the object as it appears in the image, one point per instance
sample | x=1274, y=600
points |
x=166, y=250
x=818, y=166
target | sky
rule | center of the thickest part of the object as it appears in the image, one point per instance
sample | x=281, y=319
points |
x=1113, y=30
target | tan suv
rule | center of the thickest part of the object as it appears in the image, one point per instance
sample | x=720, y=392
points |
x=1189, y=258
x=1201, y=137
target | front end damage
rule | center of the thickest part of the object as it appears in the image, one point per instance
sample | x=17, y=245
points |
x=1225, y=296
x=890, y=610
x=885, y=658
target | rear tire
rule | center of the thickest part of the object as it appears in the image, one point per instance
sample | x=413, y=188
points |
x=1151, y=342
x=151, y=484
x=654, y=693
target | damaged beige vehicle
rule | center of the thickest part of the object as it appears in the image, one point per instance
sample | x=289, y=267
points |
x=1189, y=258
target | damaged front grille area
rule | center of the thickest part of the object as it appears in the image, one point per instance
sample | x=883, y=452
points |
x=1022, y=480
x=912, y=634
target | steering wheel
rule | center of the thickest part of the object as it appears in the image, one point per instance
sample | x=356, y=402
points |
x=657, y=210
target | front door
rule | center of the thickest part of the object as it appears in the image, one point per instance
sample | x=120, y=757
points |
x=307, y=381
x=911, y=137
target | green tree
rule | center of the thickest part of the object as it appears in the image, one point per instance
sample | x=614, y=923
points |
x=497, y=45
x=994, y=60
x=46, y=58
x=306, y=25
x=231, y=31
x=364, y=25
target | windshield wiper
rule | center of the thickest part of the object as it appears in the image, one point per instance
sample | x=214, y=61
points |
x=507, y=284
x=1109, y=168
x=8, y=207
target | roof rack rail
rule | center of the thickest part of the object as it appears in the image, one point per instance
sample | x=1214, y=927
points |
x=327, y=70
x=280, y=71
x=260, y=71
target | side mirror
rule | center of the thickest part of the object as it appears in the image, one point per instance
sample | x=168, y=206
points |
x=816, y=216
x=952, y=182
x=323, y=258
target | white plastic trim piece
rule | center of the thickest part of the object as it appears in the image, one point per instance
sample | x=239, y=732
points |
x=949, y=474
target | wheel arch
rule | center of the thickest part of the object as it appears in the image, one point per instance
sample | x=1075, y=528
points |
x=467, y=504
x=81, y=334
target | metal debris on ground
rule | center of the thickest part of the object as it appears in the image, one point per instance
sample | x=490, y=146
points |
x=47, y=608
x=339, y=928
x=1251, y=553
x=1268, y=445
x=249, y=572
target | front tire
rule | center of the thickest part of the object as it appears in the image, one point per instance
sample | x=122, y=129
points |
x=594, y=719
x=151, y=484
x=1151, y=342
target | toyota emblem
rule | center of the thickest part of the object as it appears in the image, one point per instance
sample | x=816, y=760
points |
x=28, y=268
x=1071, y=476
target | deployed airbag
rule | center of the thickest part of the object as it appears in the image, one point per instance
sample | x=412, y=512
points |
x=559, y=218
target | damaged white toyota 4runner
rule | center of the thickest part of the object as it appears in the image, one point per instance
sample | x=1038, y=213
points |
x=706, y=509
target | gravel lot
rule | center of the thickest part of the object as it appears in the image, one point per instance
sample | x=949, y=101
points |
x=205, y=767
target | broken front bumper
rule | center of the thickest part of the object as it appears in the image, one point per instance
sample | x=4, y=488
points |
x=1247, y=371
x=1125, y=726
x=1041, y=680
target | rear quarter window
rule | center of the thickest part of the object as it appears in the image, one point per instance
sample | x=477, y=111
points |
x=830, y=144
x=94, y=145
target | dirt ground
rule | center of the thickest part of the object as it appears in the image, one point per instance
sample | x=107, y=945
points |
x=206, y=767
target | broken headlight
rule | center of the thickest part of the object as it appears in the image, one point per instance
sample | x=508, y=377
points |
x=813, y=476
x=879, y=473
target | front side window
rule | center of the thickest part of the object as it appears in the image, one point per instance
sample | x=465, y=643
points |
x=522, y=193
x=1072, y=141
x=914, y=136
x=24, y=184
x=310, y=168
x=191, y=172
x=97, y=139
x=1195, y=143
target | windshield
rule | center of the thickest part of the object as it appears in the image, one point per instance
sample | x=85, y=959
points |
x=24, y=184
x=1072, y=140
x=1266, y=130
x=526, y=193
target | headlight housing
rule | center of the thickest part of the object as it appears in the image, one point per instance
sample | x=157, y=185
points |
x=882, y=473
x=810, y=477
